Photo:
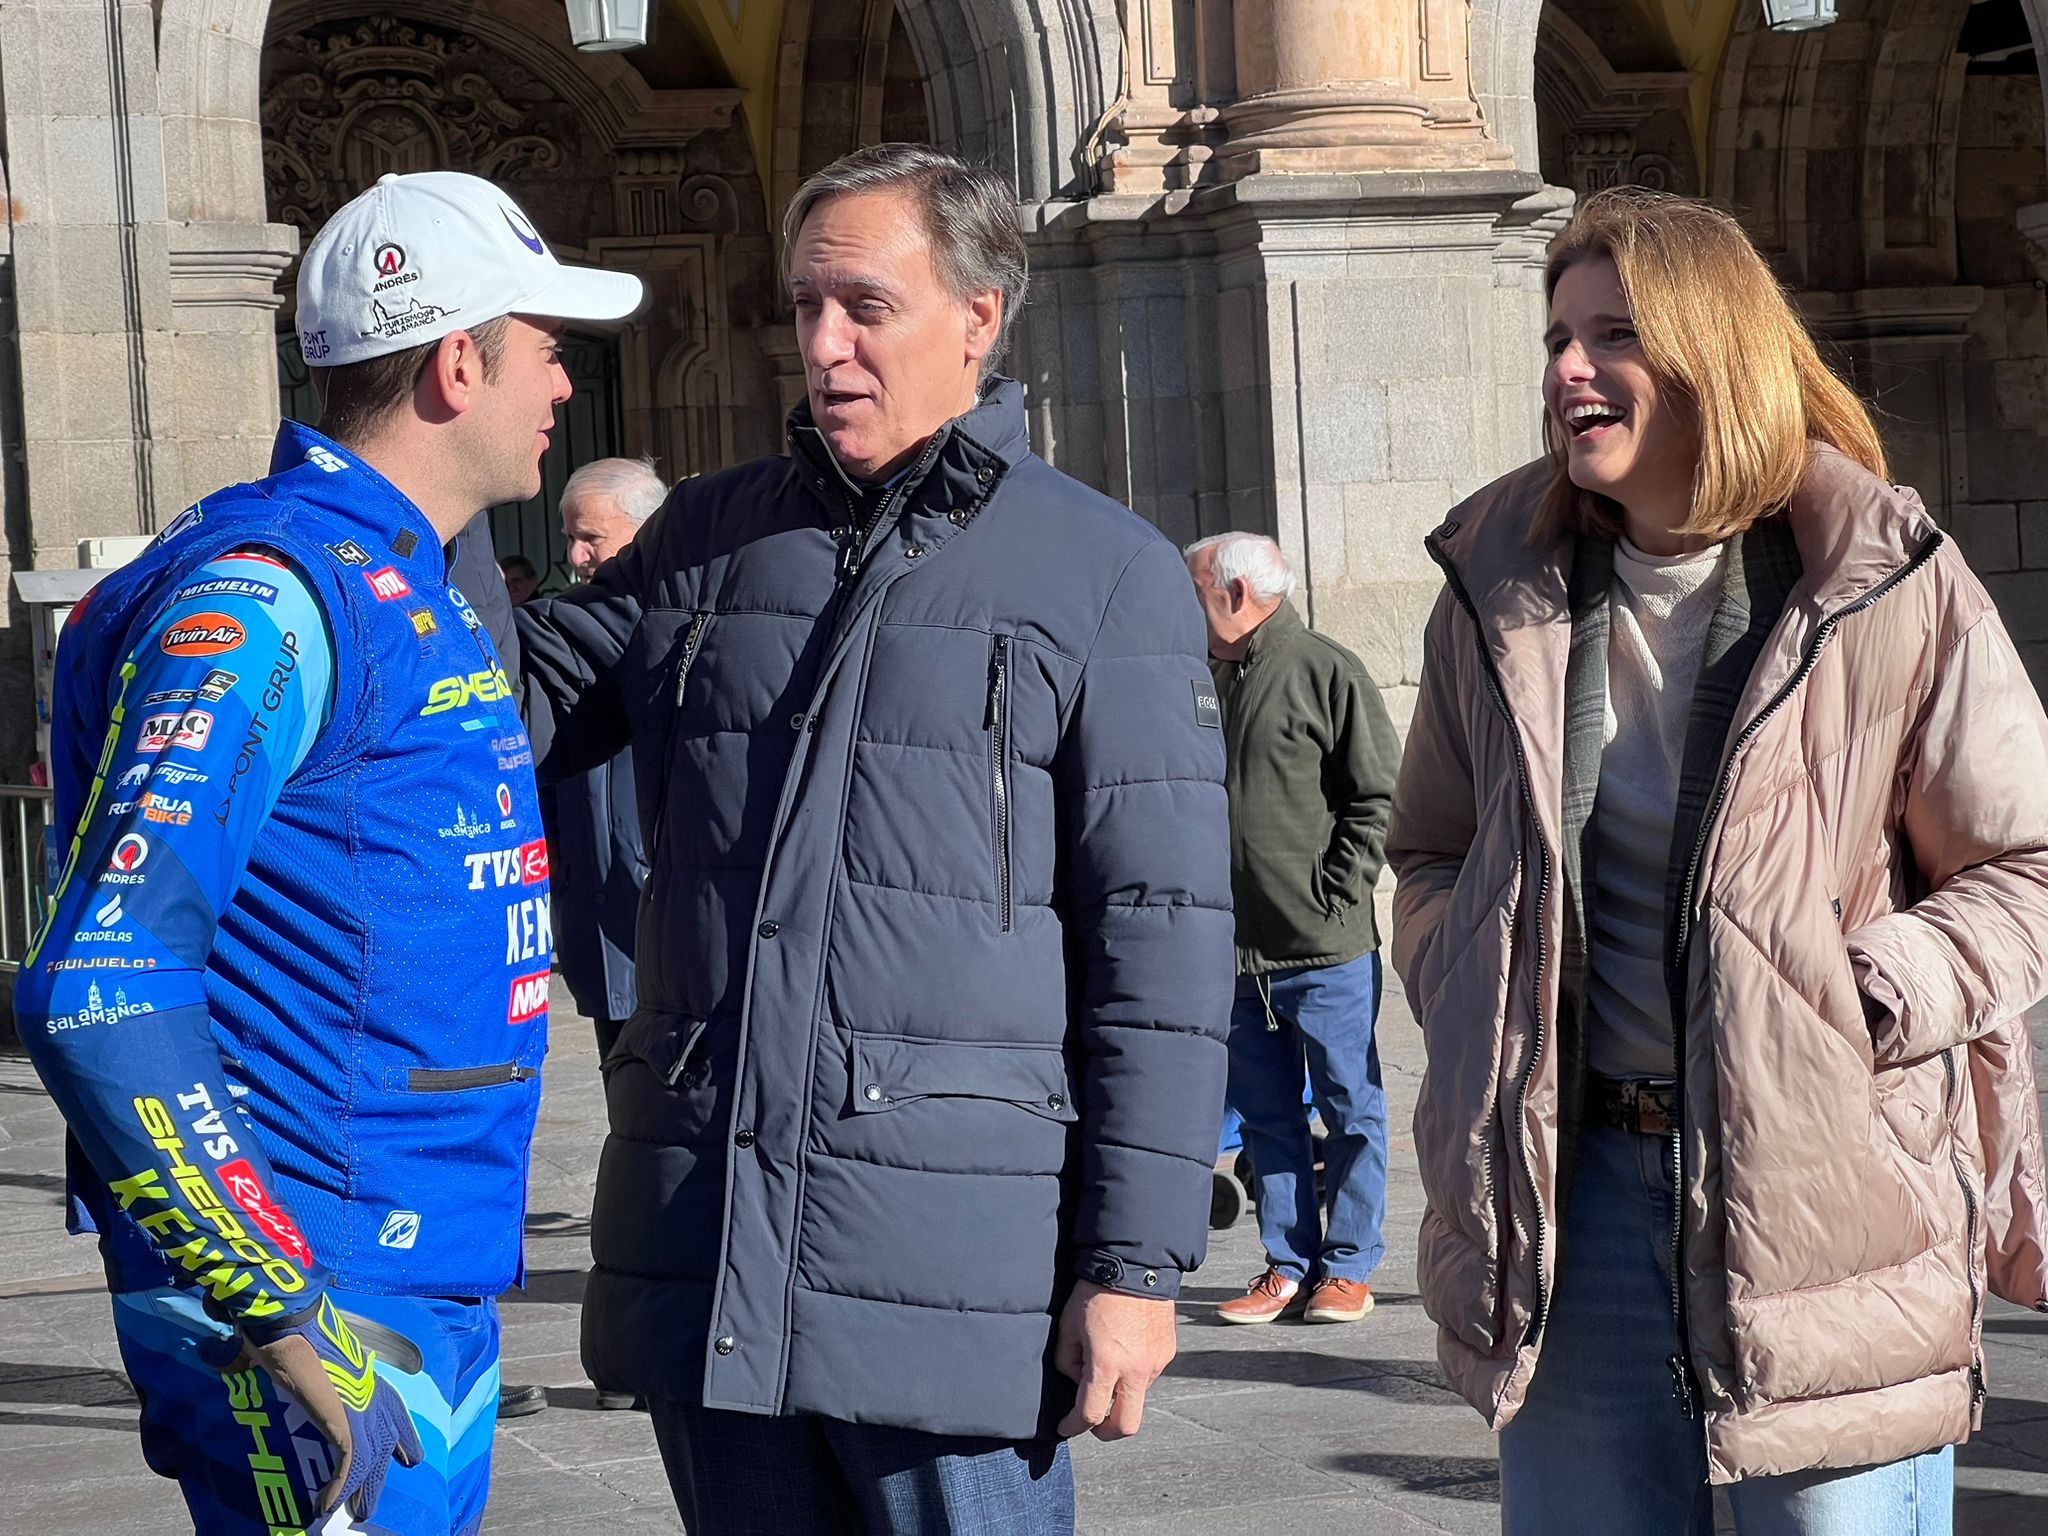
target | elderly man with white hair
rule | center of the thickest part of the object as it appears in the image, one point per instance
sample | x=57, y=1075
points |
x=1311, y=762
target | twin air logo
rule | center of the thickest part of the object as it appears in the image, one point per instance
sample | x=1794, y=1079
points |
x=482, y=687
x=203, y=634
x=326, y=459
x=190, y=729
x=387, y=584
x=401, y=1229
x=529, y=999
x=525, y=865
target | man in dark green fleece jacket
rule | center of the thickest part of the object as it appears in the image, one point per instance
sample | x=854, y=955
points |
x=1311, y=762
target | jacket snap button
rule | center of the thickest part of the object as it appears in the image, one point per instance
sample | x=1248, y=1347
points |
x=1054, y=1101
x=724, y=1345
x=914, y=551
x=841, y=534
x=985, y=474
x=957, y=517
x=796, y=721
x=769, y=930
x=1151, y=1278
x=872, y=1093
x=743, y=1139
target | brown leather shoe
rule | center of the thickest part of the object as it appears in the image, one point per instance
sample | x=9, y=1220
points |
x=1338, y=1301
x=1266, y=1298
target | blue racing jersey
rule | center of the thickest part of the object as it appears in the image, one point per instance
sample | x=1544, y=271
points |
x=291, y=993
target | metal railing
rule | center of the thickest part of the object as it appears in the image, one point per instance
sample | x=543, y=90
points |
x=24, y=824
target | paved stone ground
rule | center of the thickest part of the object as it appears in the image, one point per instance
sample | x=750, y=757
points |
x=1346, y=1429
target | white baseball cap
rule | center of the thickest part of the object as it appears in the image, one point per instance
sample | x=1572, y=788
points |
x=417, y=257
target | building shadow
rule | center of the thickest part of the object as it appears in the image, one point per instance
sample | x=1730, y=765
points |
x=1401, y=1381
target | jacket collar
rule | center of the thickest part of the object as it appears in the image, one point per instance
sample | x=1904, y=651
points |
x=1278, y=628
x=324, y=473
x=992, y=436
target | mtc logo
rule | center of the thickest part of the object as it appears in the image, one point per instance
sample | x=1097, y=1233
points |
x=484, y=687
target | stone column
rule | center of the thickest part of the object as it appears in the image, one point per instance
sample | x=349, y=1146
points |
x=1354, y=85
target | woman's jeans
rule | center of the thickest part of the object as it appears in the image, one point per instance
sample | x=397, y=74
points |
x=1600, y=1443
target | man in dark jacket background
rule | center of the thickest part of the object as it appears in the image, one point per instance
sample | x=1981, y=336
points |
x=595, y=861
x=1313, y=759
x=911, y=1132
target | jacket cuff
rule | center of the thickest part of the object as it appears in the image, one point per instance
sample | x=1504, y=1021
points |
x=1159, y=1282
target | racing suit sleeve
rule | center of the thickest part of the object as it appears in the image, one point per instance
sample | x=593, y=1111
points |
x=216, y=707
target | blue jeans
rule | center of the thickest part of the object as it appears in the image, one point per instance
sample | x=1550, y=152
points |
x=248, y=1460
x=1600, y=1443
x=743, y=1474
x=1321, y=1019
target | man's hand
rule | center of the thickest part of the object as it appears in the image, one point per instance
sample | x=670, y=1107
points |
x=1114, y=1346
x=327, y=1371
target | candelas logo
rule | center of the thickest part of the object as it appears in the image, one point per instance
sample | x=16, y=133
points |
x=203, y=634
x=529, y=998
x=483, y=687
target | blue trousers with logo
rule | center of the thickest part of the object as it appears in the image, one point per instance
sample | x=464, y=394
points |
x=1320, y=1020
x=249, y=1461
x=1601, y=1444
x=743, y=1474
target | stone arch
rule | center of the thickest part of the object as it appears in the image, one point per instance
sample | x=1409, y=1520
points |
x=1504, y=34
x=209, y=76
x=1848, y=128
x=1023, y=84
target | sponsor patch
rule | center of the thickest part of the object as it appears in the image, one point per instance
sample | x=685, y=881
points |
x=333, y=463
x=247, y=1191
x=387, y=323
x=229, y=586
x=203, y=634
x=349, y=552
x=401, y=1229
x=404, y=542
x=465, y=826
x=387, y=584
x=1207, y=710
x=129, y=854
x=525, y=865
x=215, y=685
x=481, y=687
x=160, y=732
x=423, y=623
x=181, y=525
x=529, y=998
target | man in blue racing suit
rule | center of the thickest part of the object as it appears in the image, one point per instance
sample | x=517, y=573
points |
x=291, y=995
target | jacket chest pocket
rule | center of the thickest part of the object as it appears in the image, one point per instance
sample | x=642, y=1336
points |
x=669, y=701
x=890, y=1073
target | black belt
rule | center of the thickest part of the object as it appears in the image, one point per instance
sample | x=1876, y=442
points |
x=1646, y=1105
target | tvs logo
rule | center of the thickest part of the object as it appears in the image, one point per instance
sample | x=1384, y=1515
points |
x=247, y=1191
x=529, y=999
x=525, y=865
x=401, y=1230
x=387, y=584
x=203, y=634
x=389, y=260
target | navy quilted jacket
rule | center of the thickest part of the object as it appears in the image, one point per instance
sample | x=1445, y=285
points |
x=935, y=950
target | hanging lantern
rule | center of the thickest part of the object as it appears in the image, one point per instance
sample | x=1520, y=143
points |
x=603, y=26
x=1799, y=15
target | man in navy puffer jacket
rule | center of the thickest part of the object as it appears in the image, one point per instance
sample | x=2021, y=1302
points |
x=912, y=1130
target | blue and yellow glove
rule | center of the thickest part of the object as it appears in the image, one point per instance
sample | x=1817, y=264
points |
x=318, y=1362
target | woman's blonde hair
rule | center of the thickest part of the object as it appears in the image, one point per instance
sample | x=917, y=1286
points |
x=1717, y=328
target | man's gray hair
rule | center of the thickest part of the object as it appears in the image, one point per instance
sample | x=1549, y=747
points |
x=631, y=485
x=970, y=219
x=1252, y=558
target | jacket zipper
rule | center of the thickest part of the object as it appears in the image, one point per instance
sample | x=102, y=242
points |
x=691, y=642
x=857, y=549
x=1541, y=1306
x=999, y=765
x=460, y=1079
x=1955, y=1162
x=1684, y=1381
